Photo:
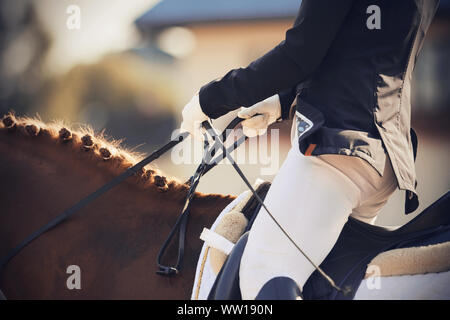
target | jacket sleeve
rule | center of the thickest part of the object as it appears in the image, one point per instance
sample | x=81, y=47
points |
x=286, y=65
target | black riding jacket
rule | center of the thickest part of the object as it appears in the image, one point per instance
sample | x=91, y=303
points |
x=352, y=61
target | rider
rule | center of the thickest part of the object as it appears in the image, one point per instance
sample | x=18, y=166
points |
x=346, y=66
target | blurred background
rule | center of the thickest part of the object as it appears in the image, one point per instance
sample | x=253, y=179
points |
x=129, y=67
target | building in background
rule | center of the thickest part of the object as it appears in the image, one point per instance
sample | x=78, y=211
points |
x=23, y=46
x=210, y=37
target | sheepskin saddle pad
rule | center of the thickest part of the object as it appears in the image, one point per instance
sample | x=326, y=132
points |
x=362, y=251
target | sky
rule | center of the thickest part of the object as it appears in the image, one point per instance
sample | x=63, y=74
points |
x=84, y=30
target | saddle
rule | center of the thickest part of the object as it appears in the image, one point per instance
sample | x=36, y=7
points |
x=347, y=262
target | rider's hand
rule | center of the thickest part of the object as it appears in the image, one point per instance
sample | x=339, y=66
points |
x=193, y=116
x=268, y=111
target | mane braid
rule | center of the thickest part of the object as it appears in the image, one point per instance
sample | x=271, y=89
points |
x=84, y=139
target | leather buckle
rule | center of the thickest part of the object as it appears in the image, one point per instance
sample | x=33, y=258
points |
x=167, y=271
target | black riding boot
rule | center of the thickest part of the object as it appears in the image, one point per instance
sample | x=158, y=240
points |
x=280, y=288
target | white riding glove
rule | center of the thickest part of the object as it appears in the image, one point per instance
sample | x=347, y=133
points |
x=193, y=116
x=269, y=111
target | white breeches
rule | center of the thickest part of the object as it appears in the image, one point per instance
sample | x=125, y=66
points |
x=311, y=197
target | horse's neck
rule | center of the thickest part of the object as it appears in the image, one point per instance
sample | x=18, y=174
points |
x=42, y=176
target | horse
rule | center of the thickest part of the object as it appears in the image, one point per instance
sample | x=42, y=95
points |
x=112, y=243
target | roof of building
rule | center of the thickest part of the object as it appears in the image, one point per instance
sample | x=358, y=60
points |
x=182, y=12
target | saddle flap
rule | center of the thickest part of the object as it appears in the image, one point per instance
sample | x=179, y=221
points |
x=360, y=242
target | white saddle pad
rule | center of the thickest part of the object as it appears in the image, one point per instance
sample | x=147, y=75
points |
x=204, y=275
x=408, y=287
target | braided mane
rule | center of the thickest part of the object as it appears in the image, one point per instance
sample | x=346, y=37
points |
x=82, y=138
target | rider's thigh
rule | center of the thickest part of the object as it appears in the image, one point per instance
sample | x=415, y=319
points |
x=311, y=200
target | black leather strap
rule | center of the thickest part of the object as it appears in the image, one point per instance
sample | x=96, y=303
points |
x=411, y=198
x=181, y=225
x=208, y=162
